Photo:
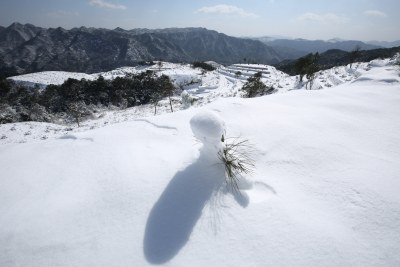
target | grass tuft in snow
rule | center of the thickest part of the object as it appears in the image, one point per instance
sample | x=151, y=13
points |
x=236, y=156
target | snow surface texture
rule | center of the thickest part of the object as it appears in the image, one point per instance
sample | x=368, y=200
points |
x=141, y=192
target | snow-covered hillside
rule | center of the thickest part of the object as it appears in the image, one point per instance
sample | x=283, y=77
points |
x=203, y=87
x=184, y=75
x=142, y=192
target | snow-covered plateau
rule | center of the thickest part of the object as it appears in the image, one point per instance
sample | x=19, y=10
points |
x=132, y=189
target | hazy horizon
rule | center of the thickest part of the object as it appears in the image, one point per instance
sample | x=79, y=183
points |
x=365, y=20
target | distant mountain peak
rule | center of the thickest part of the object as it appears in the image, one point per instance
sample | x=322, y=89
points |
x=15, y=25
x=335, y=40
x=119, y=29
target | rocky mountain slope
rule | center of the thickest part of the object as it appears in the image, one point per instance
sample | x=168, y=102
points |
x=26, y=48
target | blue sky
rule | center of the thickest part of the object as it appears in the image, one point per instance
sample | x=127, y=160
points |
x=311, y=19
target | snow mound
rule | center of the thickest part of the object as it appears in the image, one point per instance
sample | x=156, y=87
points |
x=379, y=62
x=207, y=127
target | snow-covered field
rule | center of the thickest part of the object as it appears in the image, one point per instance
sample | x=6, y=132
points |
x=142, y=190
x=203, y=87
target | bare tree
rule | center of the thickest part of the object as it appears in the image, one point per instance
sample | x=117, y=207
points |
x=77, y=110
x=160, y=88
x=168, y=88
x=159, y=64
x=355, y=54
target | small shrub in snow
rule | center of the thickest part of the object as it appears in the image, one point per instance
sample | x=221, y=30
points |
x=203, y=65
x=235, y=155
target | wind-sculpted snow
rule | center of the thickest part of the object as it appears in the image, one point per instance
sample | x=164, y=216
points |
x=208, y=128
x=131, y=189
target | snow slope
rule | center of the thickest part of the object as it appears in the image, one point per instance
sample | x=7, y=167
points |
x=143, y=192
x=42, y=79
x=203, y=87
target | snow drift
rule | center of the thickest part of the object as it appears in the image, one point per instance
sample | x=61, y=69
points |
x=139, y=193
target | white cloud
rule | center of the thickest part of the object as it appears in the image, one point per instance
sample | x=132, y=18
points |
x=324, y=18
x=227, y=9
x=374, y=13
x=62, y=13
x=104, y=4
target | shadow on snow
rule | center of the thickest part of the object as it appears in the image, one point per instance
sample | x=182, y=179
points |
x=176, y=212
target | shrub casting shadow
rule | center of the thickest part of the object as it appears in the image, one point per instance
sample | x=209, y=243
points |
x=174, y=215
